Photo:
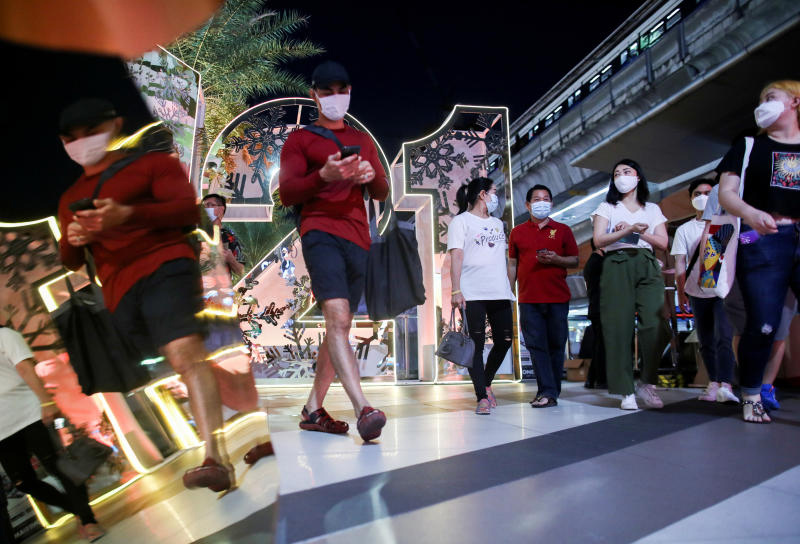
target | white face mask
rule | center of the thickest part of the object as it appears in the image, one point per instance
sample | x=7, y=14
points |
x=626, y=184
x=89, y=150
x=211, y=214
x=491, y=206
x=541, y=209
x=699, y=202
x=768, y=112
x=335, y=106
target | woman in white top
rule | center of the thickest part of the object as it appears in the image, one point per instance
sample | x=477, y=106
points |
x=479, y=275
x=629, y=228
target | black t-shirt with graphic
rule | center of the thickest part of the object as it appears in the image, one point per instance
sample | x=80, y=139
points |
x=772, y=180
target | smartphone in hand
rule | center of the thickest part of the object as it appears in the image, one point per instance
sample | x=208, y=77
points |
x=349, y=150
x=82, y=204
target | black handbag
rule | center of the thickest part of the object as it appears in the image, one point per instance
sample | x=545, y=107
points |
x=456, y=346
x=81, y=459
x=394, y=271
x=102, y=359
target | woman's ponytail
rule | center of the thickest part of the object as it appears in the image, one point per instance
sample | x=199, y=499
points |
x=468, y=193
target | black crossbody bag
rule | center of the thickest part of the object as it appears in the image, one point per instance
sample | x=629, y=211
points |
x=102, y=359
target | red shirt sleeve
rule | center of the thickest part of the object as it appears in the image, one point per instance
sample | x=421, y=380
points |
x=378, y=188
x=512, y=247
x=71, y=257
x=295, y=184
x=570, y=246
x=175, y=200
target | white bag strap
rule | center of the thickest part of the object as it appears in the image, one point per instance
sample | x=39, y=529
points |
x=748, y=148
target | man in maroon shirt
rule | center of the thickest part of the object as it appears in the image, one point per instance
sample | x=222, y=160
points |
x=540, y=251
x=148, y=270
x=335, y=238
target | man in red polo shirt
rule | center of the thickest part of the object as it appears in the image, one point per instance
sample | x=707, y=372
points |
x=335, y=238
x=540, y=251
x=148, y=270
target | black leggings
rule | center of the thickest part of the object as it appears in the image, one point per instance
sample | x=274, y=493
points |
x=15, y=456
x=500, y=321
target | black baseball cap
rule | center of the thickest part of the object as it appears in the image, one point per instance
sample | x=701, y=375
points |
x=87, y=112
x=329, y=72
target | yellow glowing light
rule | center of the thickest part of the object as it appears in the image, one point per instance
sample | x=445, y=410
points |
x=227, y=351
x=133, y=139
x=174, y=417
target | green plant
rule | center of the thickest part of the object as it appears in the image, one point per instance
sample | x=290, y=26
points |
x=240, y=54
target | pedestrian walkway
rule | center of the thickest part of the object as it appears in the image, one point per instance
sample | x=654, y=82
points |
x=583, y=471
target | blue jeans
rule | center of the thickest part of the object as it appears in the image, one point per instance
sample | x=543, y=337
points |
x=544, y=328
x=716, y=335
x=765, y=269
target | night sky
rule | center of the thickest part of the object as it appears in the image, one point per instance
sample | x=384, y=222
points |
x=410, y=62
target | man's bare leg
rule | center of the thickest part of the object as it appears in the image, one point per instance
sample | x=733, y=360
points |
x=187, y=356
x=337, y=327
x=323, y=378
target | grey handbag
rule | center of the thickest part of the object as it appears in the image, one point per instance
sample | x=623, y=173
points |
x=456, y=346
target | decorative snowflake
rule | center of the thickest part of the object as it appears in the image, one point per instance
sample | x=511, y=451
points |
x=434, y=161
x=264, y=135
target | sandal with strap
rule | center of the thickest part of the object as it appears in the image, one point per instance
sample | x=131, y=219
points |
x=210, y=474
x=257, y=452
x=370, y=423
x=321, y=421
x=757, y=411
x=537, y=402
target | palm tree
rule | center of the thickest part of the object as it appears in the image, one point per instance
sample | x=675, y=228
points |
x=239, y=53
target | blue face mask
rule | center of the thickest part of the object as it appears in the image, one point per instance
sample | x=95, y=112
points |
x=541, y=209
x=491, y=206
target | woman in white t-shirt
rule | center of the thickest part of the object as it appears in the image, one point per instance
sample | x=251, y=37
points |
x=479, y=275
x=629, y=228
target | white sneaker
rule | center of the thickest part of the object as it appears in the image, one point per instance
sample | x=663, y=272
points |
x=629, y=403
x=725, y=393
x=710, y=392
x=647, y=392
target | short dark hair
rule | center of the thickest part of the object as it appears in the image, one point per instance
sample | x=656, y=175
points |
x=215, y=195
x=694, y=184
x=538, y=187
x=642, y=191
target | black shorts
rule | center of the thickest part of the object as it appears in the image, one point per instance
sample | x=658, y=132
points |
x=162, y=307
x=337, y=267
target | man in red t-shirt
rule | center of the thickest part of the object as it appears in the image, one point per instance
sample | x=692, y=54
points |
x=335, y=238
x=540, y=251
x=148, y=270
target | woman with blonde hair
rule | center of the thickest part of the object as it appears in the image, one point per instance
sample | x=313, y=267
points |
x=768, y=260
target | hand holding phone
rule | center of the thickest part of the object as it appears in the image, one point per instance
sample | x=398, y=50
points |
x=81, y=204
x=349, y=150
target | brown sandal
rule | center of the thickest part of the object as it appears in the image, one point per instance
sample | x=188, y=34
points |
x=321, y=421
x=210, y=474
x=257, y=452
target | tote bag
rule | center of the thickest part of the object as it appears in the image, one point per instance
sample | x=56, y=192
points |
x=394, y=271
x=720, y=246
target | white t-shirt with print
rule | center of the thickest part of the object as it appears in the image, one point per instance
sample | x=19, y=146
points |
x=484, y=275
x=19, y=406
x=618, y=213
x=687, y=238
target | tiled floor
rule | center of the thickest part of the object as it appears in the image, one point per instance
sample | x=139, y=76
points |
x=583, y=471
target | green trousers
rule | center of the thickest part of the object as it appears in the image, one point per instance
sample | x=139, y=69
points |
x=631, y=283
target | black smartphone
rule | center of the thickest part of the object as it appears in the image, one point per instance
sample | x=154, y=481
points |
x=82, y=204
x=349, y=150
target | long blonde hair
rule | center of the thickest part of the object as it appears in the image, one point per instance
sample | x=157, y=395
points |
x=786, y=85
